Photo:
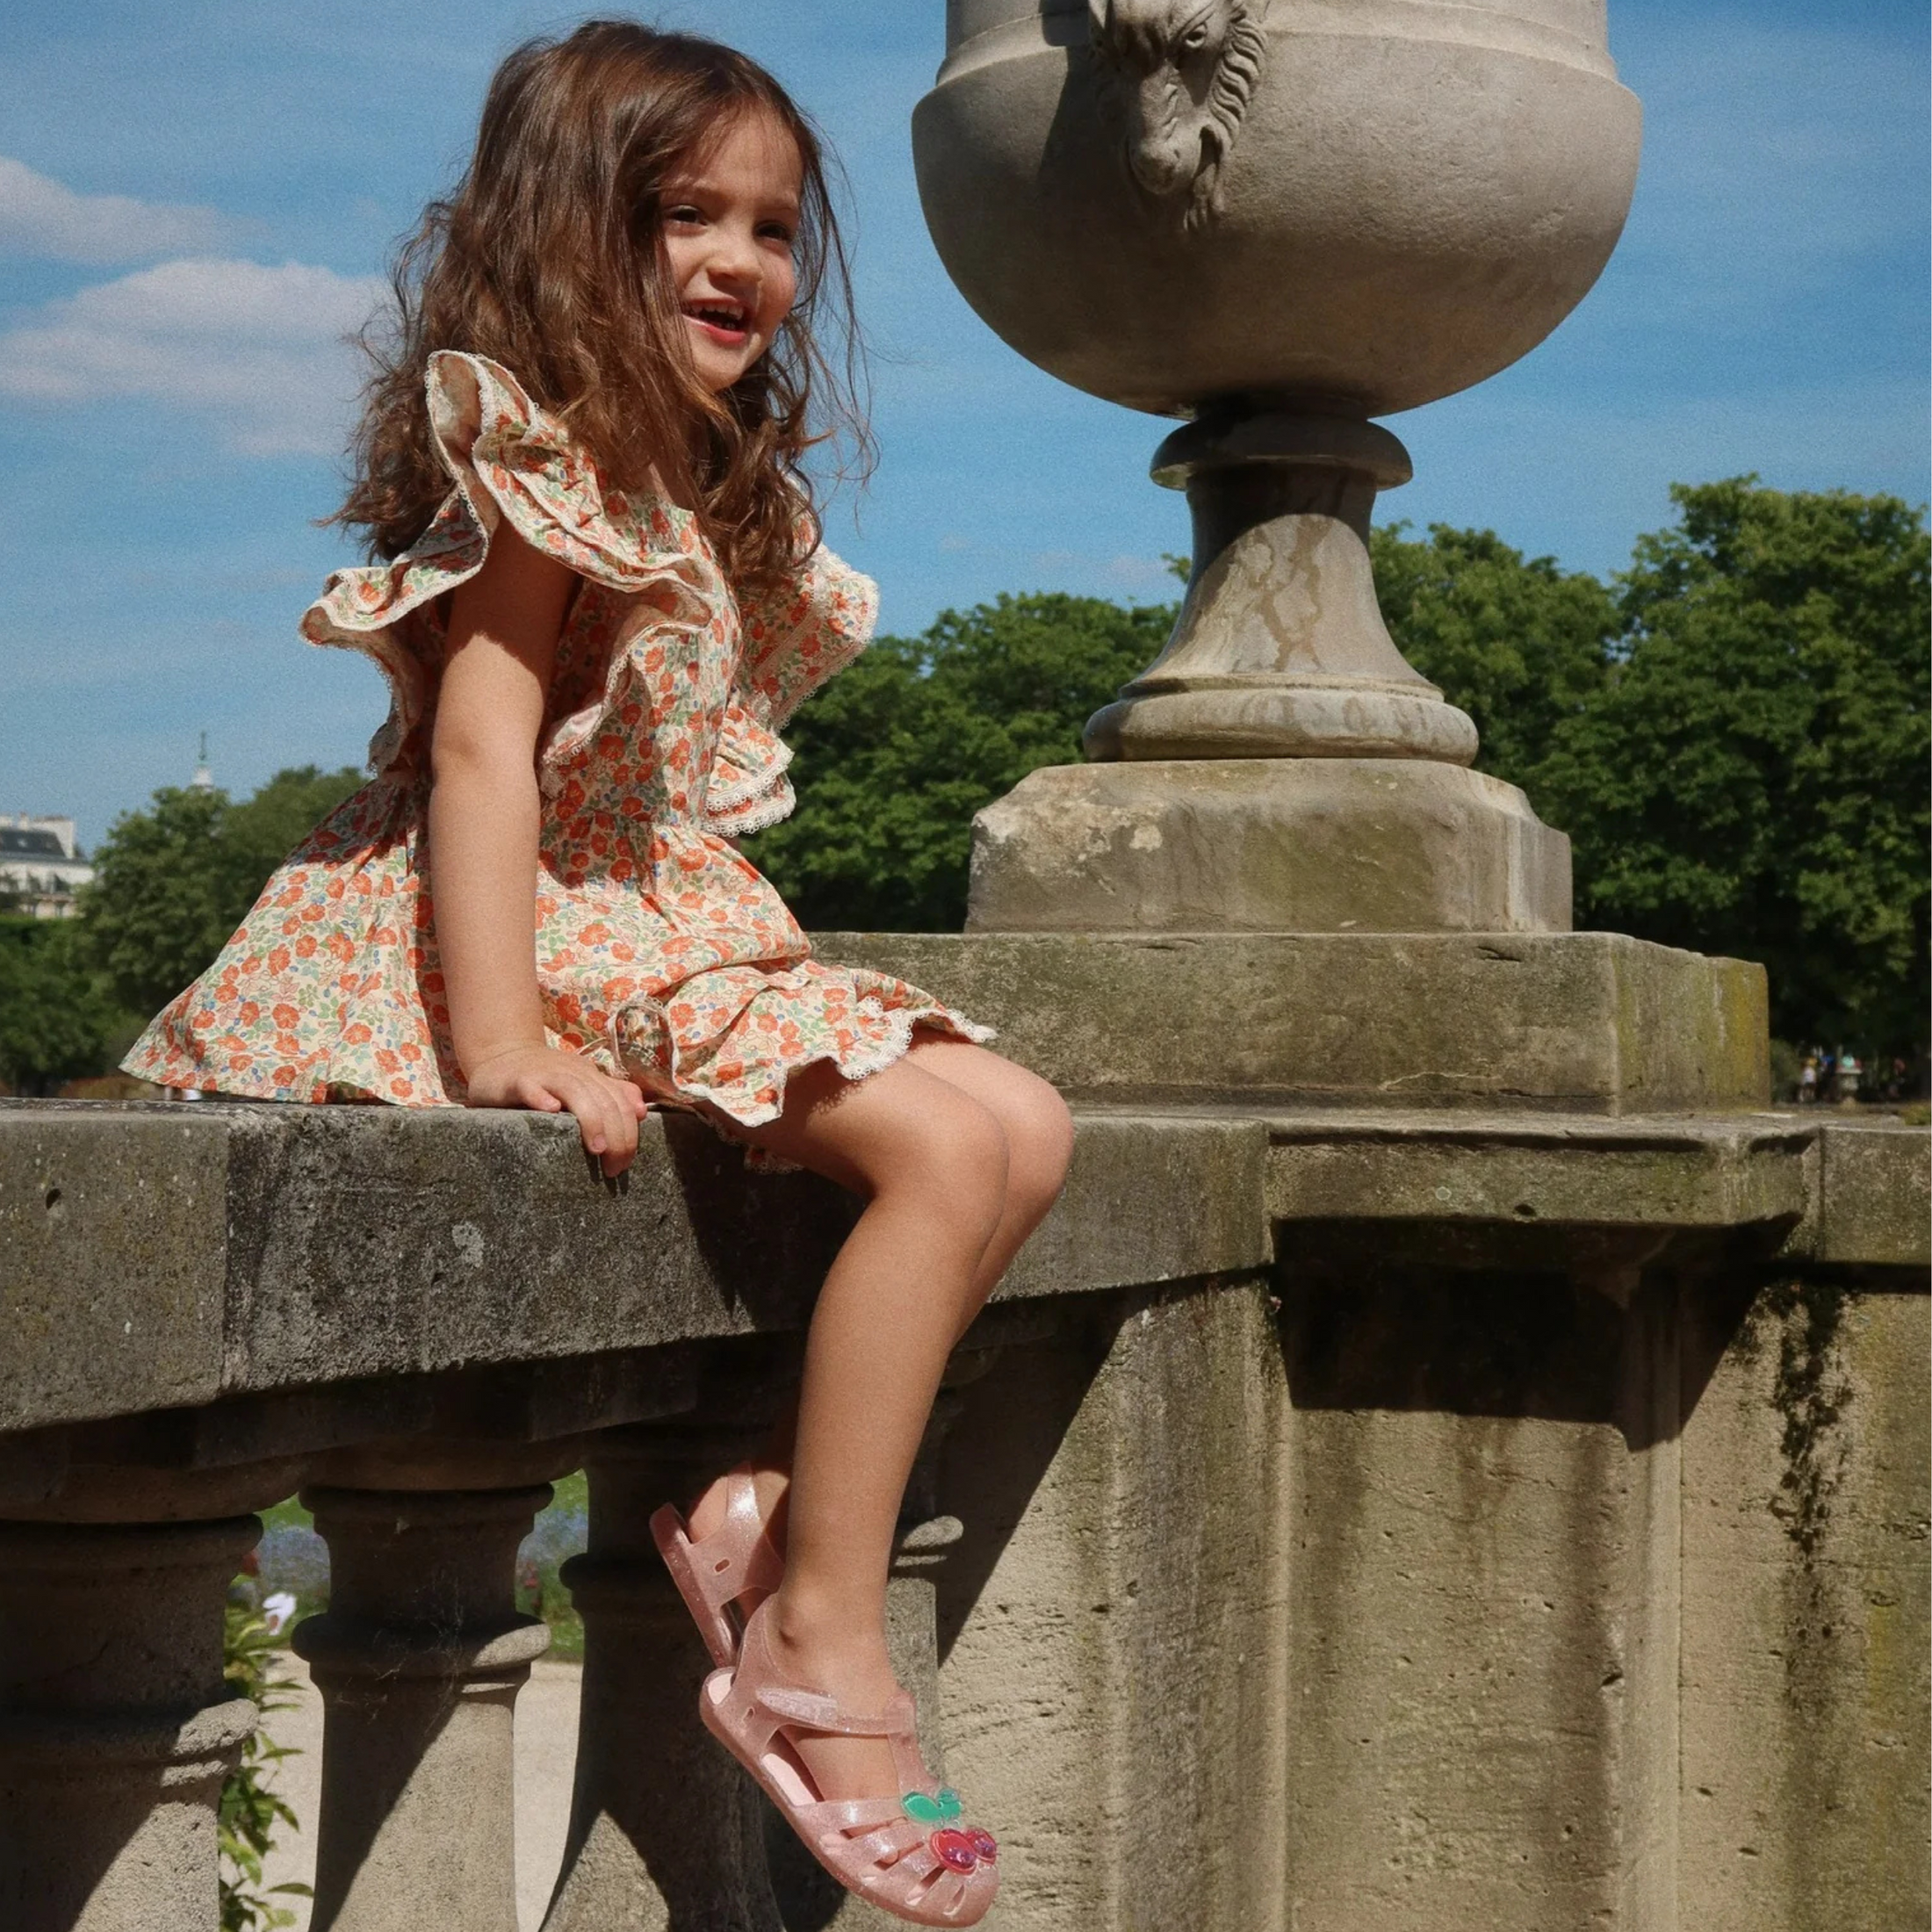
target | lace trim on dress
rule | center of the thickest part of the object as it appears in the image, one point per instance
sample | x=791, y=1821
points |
x=750, y=760
x=754, y=816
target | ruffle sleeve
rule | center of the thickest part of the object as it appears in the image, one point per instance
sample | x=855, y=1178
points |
x=792, y=646
x=795, y=643
x=508, y=459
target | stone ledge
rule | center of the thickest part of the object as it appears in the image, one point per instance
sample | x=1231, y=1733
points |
x=1563, y=1023
x=1874, y=1197
x=1812, y=1188
x=161, y=1257
x=185, y=1288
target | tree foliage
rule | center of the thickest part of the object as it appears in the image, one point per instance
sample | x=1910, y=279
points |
x=172, y=882
x=895, y=756
x=57, y=1020
x=1517, y=644
x=1751, y=779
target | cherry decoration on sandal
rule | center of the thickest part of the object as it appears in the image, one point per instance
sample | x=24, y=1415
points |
x=954, y=1850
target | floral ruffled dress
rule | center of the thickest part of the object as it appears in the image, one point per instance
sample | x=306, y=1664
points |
x=661, y=952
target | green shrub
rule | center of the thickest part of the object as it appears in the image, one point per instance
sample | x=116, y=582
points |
x=250, y=1810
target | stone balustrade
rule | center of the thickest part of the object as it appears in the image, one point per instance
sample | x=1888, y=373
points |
x=1347, y=1517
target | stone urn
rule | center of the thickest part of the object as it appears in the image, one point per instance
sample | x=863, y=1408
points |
x=1276, y=218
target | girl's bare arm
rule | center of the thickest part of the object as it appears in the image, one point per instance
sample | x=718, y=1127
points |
x=484, y=804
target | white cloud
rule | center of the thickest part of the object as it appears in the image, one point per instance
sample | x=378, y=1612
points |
x=260, y=349
x=47, y=220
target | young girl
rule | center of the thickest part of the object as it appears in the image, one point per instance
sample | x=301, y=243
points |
x=600, y=595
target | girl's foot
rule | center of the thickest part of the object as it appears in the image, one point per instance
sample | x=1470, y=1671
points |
x=848, y=1776
x=772, y=1488
x=856, y=1673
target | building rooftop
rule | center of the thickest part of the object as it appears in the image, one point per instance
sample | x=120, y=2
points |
x=17, y=843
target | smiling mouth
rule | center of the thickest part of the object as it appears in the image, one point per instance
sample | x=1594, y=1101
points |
x=724, y=323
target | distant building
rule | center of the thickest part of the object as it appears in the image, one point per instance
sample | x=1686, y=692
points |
x=41, y=865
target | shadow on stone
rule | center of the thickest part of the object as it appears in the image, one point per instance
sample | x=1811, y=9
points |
x=1010, y=1423
x=760, y=1236
x=1529, y=1344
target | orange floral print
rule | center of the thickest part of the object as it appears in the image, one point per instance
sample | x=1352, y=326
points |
x=662, y=953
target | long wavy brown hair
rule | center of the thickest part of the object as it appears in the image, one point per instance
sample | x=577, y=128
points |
x=549, y=258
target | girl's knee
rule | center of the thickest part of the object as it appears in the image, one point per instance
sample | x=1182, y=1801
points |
x=976, y=1154
x=1039, y=1129
x=952, y=1148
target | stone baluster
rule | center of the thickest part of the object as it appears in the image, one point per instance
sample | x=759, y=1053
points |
x=664, y=1830
x=116, y=1727
x=419, y=1659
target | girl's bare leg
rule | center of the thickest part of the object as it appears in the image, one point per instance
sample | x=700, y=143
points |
x=1039, y=1134
x=944, y=1216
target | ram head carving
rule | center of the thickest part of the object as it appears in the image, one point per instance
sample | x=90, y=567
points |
x=1179, y=75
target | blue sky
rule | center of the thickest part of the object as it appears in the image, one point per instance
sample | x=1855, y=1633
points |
x=194, y=200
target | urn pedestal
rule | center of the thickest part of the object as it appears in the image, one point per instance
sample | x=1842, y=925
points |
x=1278, y=218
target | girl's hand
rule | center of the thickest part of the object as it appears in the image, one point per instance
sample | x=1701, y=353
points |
x=549, y=1080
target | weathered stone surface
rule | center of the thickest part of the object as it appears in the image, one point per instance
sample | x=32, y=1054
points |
x=1482, y=1654
x=109, y=1287
x=1227, y=843
x=1590, y=1022
x=1805, y=1626
x=1598, y=1198
x=337, y=1244
x=1873, y=1196
x=1114, y=1675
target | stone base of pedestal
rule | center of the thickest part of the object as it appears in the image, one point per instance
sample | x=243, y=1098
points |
x=1267, y=845
x=1583, y=1022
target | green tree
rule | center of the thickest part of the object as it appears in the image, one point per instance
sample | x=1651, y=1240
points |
x=1517, y=643
x=1751, y=780
x=57, y=1021
x=894, y=758
x=171, y=884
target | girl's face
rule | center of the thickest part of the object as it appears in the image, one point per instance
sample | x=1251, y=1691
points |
x=731, y=214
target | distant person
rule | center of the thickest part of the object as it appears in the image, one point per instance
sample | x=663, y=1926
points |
x=1807, y=1080
x=599, y=592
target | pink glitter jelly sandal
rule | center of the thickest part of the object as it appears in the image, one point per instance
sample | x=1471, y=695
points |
x=909, y=1856
x=715, y=1573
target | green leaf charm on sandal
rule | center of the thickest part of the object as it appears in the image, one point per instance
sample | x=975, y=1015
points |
x=933, y=1811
